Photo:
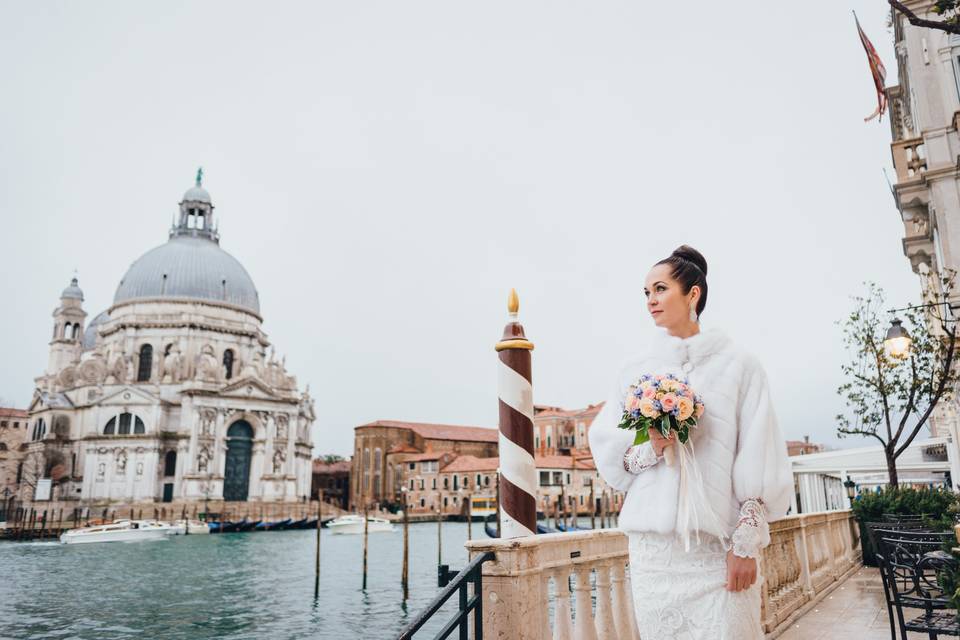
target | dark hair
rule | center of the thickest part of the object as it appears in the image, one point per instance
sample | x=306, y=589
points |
x=689, y=268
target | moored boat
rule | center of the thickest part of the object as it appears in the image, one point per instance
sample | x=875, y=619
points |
x=352, y=524
x=118, y=531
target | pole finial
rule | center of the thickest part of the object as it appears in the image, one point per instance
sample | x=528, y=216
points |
x=200, y=176
x=513, y=302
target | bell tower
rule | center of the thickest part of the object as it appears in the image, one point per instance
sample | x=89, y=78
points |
x=196, y=214
x=68, y=319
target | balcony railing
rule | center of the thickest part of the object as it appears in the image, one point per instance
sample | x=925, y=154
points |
x=909, y=159
x=545, y=586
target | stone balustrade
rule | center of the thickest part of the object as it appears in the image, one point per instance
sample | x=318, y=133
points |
x=576, y=585
x=908, y=159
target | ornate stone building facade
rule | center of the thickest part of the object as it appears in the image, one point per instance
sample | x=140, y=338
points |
x=174, y=392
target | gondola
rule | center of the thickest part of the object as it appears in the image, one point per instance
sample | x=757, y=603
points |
x=298, y=524
x=247, y=525
x=492, y=530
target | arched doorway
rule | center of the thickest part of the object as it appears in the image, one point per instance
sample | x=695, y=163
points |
x=236, y=481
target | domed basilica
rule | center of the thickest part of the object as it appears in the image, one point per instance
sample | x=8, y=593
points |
x=171, y=393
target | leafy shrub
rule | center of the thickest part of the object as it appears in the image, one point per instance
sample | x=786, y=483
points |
x=940, y=508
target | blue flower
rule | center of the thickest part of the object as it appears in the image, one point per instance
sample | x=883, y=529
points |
x=635, y=413
x=657, y=405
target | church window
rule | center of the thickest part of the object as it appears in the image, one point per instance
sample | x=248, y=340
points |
x=455, y=483
x=3, y=446
x=146, y=363
x=111, y=427
x=170, y=463
x=125, y=420
x=478, y=480
x=55, y=329
x=166, y=349
x=138, y=426
x=76, y=331
x=446, y=482
x=228, y=363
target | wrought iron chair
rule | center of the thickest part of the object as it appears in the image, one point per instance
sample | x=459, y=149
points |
x=910, y=567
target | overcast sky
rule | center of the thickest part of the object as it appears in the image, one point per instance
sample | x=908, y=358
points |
x=386, y=171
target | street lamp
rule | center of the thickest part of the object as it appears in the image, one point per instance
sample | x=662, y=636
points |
x=897, y=342
x=851, y=487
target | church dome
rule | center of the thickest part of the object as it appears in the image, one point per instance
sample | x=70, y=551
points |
x=73, y=291
x=197, y=194
x=189, y=268
x=90, y=335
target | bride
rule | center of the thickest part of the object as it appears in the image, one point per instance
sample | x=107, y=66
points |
x=696, y=524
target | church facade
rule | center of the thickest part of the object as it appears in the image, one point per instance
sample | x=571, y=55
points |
x=172, y=393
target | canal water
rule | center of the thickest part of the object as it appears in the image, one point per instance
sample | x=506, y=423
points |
x=237, y=585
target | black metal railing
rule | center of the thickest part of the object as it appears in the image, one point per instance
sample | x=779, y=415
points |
x=456, y=582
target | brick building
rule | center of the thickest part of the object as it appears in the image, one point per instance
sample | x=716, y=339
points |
x=385, y=451
x=562, y=432
x=334, y=479
x=13, y=434
x=803, y=447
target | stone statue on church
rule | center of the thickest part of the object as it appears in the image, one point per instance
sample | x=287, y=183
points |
x=279, y=457
x=203, y=460
x=172, y=363
x=208, y=369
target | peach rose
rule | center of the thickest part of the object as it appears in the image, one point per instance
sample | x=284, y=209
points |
x=633, y=402
x=684, y=408
x=668, y=401
x=646, y=408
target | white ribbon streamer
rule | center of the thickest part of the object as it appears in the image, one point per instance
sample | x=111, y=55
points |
x=688, y=505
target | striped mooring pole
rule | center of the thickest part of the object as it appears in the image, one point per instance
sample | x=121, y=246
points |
x=518, y=473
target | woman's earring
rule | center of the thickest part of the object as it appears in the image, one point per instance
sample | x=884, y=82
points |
x=693, y=314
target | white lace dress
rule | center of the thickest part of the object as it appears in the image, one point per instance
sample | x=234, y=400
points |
x=682, y=595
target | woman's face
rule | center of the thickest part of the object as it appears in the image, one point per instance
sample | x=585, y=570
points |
x=666, y=302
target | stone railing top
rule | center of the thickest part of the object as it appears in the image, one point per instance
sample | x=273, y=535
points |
x=518, y=556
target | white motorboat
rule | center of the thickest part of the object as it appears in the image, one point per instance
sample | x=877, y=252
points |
x=118, y=531
x=353, y=523
x=192, y=527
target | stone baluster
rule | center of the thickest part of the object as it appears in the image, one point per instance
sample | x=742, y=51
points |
x=623, y=618
x=584, y=628
x=562, y=622
x=604, y=618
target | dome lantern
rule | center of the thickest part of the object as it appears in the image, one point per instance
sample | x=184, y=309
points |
x=196, y=213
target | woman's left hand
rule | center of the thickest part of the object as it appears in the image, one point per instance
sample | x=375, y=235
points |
x=741, y=572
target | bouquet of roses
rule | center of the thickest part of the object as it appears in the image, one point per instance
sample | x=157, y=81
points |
x=662, y=402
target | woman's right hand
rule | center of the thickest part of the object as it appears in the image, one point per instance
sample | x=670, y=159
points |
x=659, y=442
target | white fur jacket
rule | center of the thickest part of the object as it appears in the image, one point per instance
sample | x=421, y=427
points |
x=739, y=450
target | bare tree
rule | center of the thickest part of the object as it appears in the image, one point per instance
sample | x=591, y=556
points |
x=949, y=10
x=892, y=398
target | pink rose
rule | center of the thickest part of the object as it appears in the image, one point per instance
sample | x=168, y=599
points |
x=633, y=402
x=649, y=392
x=668, y=402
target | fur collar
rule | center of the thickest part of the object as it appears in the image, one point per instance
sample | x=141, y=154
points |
x=694, y=349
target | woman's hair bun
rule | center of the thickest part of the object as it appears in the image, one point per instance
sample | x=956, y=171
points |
x=690, y=254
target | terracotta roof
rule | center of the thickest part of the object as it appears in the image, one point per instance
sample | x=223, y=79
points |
x=556, y=412
x=440, y=431
x=403, y=447
x=429, y=455
x=564, y=462
x=465, y=464
x=319, y=466
x=9, y=412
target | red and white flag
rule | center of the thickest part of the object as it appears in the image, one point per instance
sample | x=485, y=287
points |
x=877, y=69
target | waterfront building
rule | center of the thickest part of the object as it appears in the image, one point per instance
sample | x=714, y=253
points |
x=803, y=447
x=385, y=450
x=924, y=121
x=562, y=432
x=172, y=393
x=334, y=479
x=13, y=435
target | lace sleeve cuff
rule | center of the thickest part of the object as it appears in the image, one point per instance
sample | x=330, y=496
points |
x=752, y=533
x=639, y=458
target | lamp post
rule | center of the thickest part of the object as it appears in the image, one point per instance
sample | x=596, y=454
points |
x=851, y=488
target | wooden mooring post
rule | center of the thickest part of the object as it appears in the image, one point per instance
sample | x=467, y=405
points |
x=316, y=577
x=405, y=571
x=365, y=532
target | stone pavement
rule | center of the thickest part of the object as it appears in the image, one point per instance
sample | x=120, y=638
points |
x=853, y=611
